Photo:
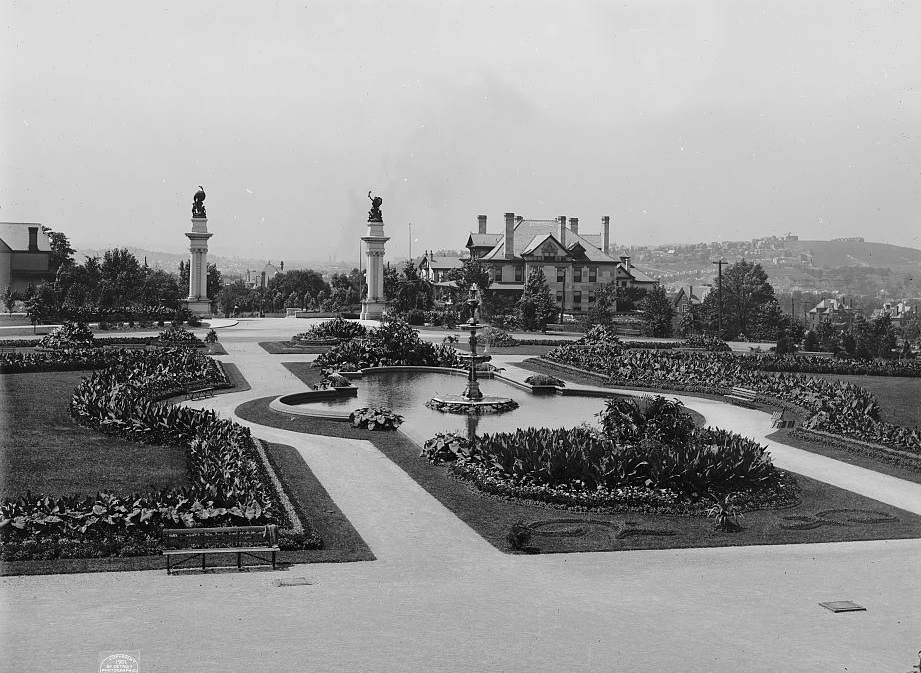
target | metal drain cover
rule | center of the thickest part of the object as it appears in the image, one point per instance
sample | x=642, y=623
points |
x=843, y=606
x=293, y=582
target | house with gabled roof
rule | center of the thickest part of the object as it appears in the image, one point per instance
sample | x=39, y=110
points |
x=575, y=265
x=832, y=311
x=900, y=313
x=25, y=255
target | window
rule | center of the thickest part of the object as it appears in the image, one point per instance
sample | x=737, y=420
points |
x=577, y=297
x=591, y=297
x=577, y=274
x=519, y=274
x=559, y=297
x=561, y=274
x=593, y=274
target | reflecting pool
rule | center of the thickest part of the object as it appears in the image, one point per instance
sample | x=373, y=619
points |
x=407, y=392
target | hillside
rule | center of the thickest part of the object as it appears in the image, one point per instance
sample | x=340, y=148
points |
x=831, y=254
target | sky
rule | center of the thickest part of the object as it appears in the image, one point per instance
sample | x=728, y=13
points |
x=682, y=121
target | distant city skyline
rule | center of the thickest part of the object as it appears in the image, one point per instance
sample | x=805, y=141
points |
x=683, y=121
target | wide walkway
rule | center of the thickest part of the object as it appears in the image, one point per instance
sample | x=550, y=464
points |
x=441, y=599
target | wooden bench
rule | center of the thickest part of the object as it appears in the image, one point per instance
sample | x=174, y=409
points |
x=254, y=541
x=778, y=421
x=744, y=397
x=199, y=390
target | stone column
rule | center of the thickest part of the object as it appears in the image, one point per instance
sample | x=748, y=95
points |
x=372, y=306
x=198, y=302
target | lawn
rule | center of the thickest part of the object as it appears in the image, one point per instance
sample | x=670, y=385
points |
x=44, y=451
x=899, y=397
x=825, y=513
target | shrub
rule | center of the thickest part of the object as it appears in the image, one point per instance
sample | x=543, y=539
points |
x=444, y=447
x=415, y=316
x=519, y=535
x=624, y=421
x=211, y=337
x=177, y=336
x=375, y=418
x=706, y=342
x=544, y=380
x=68, y=335
x=337, y=328
x=496, y=337
x=393, y=344
x=600, y=335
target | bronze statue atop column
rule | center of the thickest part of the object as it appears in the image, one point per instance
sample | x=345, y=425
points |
x=198, y=203
x=375, y=215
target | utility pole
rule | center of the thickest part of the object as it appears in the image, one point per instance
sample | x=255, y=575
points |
x=719, y=265
x=410, y=241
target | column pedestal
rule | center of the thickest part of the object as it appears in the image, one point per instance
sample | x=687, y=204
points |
x=197, y=301
x=372, y=306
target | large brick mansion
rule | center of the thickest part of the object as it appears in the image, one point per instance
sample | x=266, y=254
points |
x=575, y=264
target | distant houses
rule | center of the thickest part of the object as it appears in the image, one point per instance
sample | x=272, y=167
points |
x=833, y=312
x=900, y=313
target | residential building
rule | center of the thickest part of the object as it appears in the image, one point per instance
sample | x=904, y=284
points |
x=436, y=269
x=576, y=265
x=686, y=297
x=900, y=313
x=832, y=311
x=25, y=255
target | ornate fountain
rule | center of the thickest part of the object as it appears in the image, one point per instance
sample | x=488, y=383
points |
x=472, y=400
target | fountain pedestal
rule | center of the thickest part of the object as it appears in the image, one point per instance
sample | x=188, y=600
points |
x=472, y=400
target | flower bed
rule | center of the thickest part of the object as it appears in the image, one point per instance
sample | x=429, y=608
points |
x=652, y=460
x=818, y=364
x=230, y=482
x=332, y=332
x=395, y=344
x=830, y=406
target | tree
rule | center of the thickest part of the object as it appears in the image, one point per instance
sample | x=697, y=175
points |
x=62, y=254
x=9, y=298
x=411, y=291
x=745, y=289
x=298, y=280
x=536, y=306
x=40, y=306
x=811, y=342
x=121, y=278
x=657, y=312
x=601, y=311
x=690, y=321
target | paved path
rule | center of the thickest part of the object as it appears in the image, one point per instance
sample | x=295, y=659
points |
x=441, y=599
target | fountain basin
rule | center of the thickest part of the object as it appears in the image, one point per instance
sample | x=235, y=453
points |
x=458, y=404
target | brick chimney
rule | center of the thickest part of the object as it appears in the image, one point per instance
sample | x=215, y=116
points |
x=606, y=223
x=574, y=225
x=562, y=235
x=509, y=235
x=625, y=260
x=481, y=223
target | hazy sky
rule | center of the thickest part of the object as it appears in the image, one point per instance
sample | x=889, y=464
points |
x=683, y=121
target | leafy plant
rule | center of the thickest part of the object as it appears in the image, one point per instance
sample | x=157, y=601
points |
x=726, y=514
x=375, y=418
x=544, y=380
x=211, y=337
x=68, y=335
x=519, y=535
x=445, y=447
x=390, y=345
x=337, y=328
